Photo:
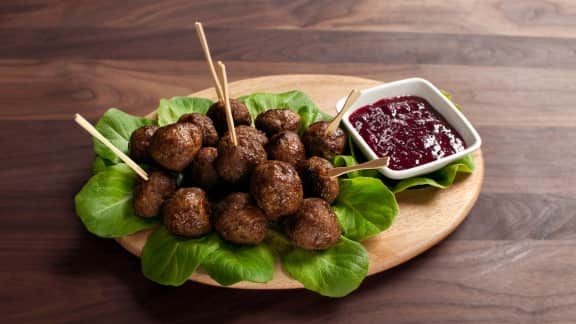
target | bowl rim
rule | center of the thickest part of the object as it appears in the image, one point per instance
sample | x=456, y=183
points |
x=432, y=166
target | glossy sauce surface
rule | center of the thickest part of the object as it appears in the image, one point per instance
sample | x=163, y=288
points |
x=406, y=129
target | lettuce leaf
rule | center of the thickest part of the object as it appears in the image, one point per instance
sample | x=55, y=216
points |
x=105, y=203
x=100, y=164
x=117, y=126
x=297, y=101
x=170, y=259
x=231, y=263
x=169, y=110
x=442, y=178
x=334, y=272
x=364, y=207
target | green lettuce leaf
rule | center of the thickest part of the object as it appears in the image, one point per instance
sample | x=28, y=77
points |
x=442, y=178
x=334, y=272
x=365, y=207
x=100, y=164
x=169, y=110
x=104, y=204
x=170, y=259
x=117, y=126
x=297, y=101
x=231, y=263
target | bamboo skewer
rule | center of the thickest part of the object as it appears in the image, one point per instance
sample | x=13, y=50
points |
x=227, y=108
x=373, y=164
x=350, y=100
x=94, y=132
x=204, y=43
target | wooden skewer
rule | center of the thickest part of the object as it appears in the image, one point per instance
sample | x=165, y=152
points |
x=204, y=43
x=350, y=100
x=227, y=108
x=374, y=164
x=94, y=132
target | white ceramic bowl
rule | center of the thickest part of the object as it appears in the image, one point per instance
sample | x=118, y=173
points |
x=424, y=89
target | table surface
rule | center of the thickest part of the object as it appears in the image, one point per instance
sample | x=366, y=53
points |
x=511, y=64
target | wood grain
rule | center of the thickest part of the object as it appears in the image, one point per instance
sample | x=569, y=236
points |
x=553, y=18
x=262, y=45
x=490, y=96
x=509, y=63
x=459, y=281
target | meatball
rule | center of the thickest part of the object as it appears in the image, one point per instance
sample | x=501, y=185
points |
x=187, y=213
x=317, y=183
x=276, y=188
x=252, y=133
x=235, y=163
x=149, y=196
x=240, y=115
x=319, y=144
x=209, y=133
x=286, y=146
x=174, y=146
x=314, y=227
x=276, y=120
x=202, y=172
x=240, y=221
x=139, y=143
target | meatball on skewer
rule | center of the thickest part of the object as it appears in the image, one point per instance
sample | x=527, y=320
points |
x=238, y=154
x=149, y=196
x=235, y=163
x=238, y=220
x=175, y=146
x=276, y=188
x=314, y=227
x=240, y=115
x=316, y=181
x=277, y=120
x=326, y=139
x=140, y=142
x=187, y=213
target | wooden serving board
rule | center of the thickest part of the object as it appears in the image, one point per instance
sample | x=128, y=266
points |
x=426, y=215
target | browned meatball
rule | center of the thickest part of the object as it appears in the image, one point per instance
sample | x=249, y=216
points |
x=319, y=144
x=276, y=188
x=174, y=146
x=317, y=183
x=209, y=133
x=240, y=221
x=139, y=143
x=202, y=171
x=240, y=115
x=187, y=213
x=150, y=195
x=286, y=146
x=314, y=227
x=251, y=133
x=276, y=120
x=235, y=163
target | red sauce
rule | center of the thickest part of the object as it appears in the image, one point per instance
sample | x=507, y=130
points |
x=406, y=129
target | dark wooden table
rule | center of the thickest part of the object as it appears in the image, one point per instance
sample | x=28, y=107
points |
x=510, y=63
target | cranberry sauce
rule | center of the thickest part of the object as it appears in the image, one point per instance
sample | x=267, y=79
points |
x=406, y=129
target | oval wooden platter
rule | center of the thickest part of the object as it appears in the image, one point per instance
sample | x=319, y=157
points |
x=426, y=215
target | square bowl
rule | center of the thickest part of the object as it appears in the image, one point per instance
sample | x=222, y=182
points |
x=424, y=89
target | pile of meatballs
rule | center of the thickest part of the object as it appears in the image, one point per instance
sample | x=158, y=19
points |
x=271, y=175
